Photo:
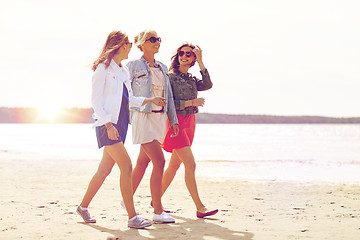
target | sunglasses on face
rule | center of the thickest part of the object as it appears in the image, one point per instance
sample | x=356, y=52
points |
x=154, y=39
x=187, y=53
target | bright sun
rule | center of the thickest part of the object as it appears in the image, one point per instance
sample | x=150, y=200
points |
x=49, y=113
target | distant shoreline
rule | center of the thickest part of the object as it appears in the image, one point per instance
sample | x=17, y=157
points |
x=84, y=115
x=272, y=119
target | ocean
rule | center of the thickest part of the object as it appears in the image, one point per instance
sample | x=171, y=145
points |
x=289, y=152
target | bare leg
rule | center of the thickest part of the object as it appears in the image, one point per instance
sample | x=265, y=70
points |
x=98, y=179
x=139, y=170
x=170, y=172
x=153, y=150
x=187, y=157
x=118, y=152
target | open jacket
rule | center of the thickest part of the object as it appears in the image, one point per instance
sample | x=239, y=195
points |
x=141, y=84
x=107, y=91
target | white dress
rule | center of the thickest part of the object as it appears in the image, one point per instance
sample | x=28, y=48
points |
x=147, y=127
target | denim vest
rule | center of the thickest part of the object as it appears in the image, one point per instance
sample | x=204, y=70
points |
x=141, y=84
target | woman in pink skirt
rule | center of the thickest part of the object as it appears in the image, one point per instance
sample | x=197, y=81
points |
x=185, y=89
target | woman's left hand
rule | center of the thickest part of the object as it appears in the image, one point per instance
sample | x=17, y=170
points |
x=198, y=52
x=175, y=129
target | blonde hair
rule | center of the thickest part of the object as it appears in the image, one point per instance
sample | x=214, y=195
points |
x=113, y=42
x=140, y=39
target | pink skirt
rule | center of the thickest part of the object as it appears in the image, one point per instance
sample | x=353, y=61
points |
x=186, y=133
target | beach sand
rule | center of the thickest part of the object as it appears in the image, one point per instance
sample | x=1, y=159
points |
x=38, y=200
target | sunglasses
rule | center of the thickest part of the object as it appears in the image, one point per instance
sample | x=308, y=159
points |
x=154, y=39
x=187, y=53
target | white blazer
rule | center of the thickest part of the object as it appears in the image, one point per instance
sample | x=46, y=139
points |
x=107, y=92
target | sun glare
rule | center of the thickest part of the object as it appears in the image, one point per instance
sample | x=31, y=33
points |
x=48, y=113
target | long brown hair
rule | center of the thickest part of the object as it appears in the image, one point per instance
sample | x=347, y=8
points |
x=175, y=59
x=113, y=42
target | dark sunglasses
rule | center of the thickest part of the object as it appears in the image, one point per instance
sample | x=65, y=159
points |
x=187, y=53
x=154, y=39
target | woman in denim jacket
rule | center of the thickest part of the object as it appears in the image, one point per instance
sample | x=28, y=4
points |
x=149, y=79
x=111, y=95
x=185, y=88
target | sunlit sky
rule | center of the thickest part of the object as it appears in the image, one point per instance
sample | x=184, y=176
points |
x=280, y=57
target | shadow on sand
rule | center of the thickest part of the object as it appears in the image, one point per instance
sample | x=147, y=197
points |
x=186, y=229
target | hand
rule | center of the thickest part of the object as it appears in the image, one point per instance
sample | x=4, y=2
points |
x=113, y=133
x=198, y=102
x=198, y=52
x=175, y=129
x=159, y=101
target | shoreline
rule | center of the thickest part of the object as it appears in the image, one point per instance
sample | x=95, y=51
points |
x=214, y=170
x=69, y=115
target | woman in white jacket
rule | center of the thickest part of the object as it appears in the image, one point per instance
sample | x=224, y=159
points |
x=111, y=95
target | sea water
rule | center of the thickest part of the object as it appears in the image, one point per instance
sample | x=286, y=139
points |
x=299, y=152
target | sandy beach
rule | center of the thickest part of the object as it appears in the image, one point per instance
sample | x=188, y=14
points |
x=38, y=201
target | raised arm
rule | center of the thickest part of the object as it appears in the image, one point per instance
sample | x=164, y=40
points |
x=205, y=82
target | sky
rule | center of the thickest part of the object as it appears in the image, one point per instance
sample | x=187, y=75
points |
x=282, y=57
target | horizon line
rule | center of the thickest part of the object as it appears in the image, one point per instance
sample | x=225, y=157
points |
x=214, y=113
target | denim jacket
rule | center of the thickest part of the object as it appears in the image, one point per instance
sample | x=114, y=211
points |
x=185, y=87
x=141, y=85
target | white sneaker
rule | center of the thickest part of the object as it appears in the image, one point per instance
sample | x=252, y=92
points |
x=123, y=205
x=138, y=222
x=85, y=215
x=163, y=218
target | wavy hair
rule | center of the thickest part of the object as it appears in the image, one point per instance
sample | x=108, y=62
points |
x=113, y=42
x=175, y=58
